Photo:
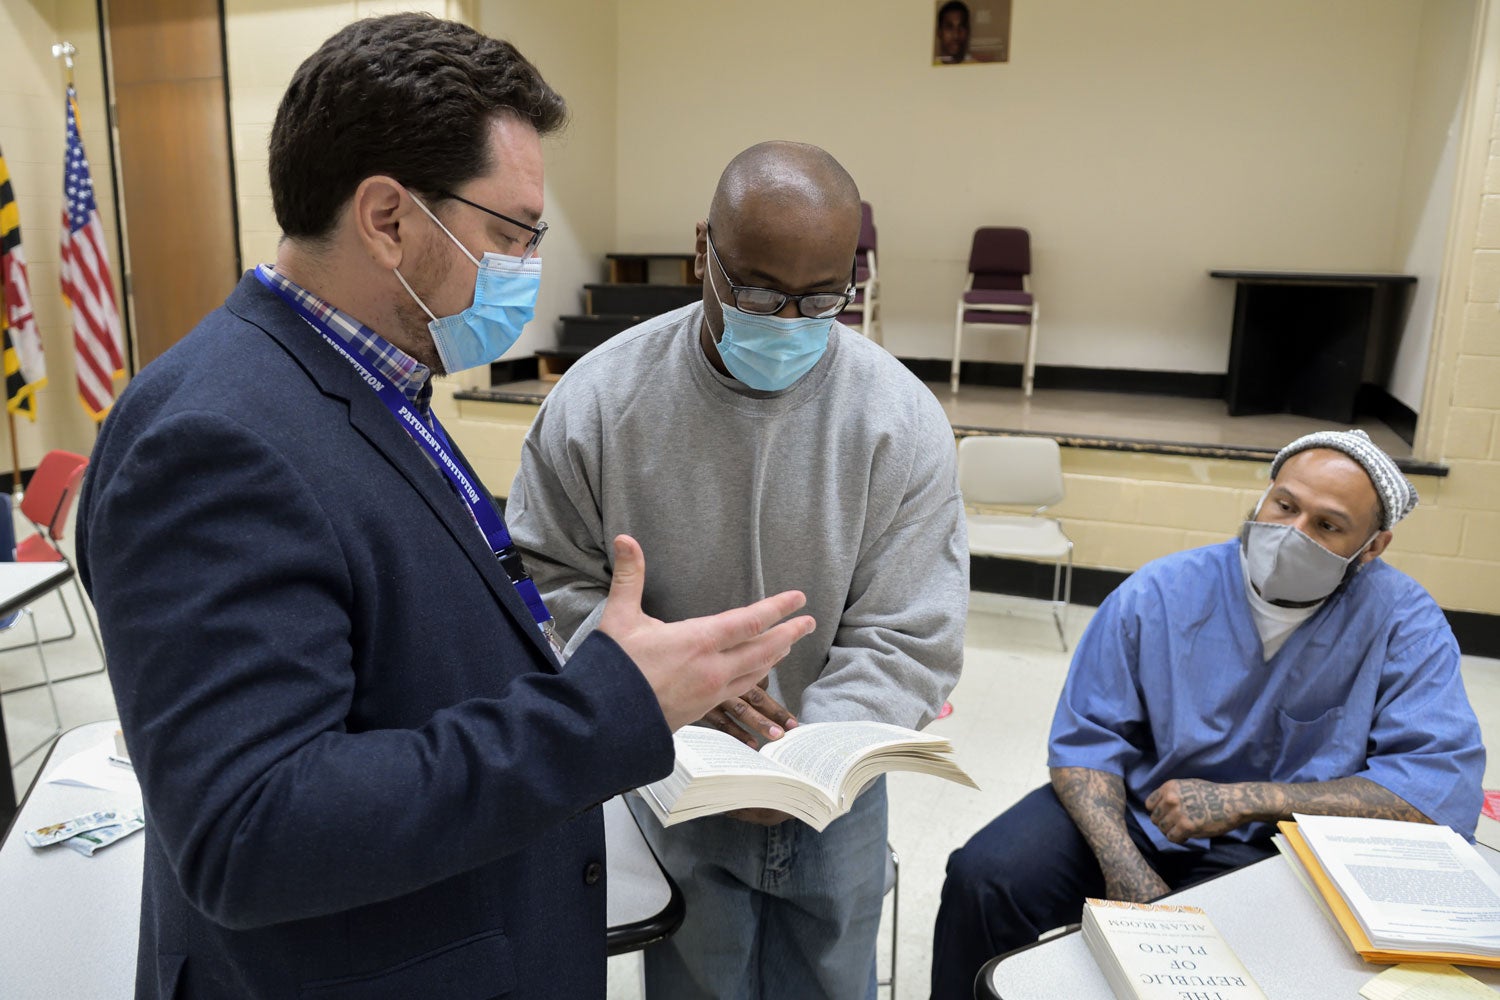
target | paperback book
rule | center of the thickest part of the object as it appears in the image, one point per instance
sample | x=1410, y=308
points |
x=814, y=772
x=1156, y=951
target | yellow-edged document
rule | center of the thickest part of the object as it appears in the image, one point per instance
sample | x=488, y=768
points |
x=1156, y=951
x=1402, y=892
x=813, y=772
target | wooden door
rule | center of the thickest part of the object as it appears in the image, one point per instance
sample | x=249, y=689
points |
x=176, y=178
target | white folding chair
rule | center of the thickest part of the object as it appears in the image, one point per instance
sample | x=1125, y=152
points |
x=1018, y=472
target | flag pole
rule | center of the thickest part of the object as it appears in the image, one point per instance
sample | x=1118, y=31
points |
x=65, y=51
x=10, y=418
x=15, y=457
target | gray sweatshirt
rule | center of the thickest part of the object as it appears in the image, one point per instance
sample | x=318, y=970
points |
x=843, y=486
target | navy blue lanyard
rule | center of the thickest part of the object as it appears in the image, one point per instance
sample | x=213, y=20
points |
x=435, y=443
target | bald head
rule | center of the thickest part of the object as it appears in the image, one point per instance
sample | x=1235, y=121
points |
x=785, y=179
x=785, y=218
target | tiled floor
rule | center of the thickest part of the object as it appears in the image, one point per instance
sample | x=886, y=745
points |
x=1002, y=708
x=1129, y=416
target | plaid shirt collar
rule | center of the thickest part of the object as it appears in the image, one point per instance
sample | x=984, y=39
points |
x=405, y=372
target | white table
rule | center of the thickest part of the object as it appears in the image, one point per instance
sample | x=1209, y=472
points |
x=21, y=584
x=69, y=925
x=1272, y=923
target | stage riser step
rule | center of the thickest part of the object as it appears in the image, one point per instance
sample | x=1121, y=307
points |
x=591, y=331
x=639, y=300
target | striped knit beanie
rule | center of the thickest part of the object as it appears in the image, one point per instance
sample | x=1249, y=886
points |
x=1397, y=495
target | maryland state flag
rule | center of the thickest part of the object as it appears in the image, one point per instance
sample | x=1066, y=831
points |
x=25, y=367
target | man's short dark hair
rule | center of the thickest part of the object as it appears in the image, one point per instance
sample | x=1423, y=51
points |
x=951, y=6
x=409, y=96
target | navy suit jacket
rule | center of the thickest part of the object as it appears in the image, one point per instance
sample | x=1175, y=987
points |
x=364, y=773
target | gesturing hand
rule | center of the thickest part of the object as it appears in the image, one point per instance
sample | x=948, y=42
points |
x=700, y=663
x=1191, y=807
x=752, y=713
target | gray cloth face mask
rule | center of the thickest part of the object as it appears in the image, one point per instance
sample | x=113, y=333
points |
x=1286, y=565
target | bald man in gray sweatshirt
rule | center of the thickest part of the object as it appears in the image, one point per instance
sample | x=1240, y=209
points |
x=752, y=444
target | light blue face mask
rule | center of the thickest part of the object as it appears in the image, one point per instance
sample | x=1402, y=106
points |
x=768, y=353
x=505, y=291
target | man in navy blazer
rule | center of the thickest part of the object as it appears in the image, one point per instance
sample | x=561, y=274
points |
x=365, y=771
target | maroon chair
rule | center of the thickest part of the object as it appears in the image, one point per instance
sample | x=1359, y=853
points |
x=998, y=293
x=864, y=312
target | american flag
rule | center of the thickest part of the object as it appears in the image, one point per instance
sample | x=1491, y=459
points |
x=98, y=345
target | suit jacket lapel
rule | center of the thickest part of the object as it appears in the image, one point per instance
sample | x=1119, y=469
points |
x=333, y=375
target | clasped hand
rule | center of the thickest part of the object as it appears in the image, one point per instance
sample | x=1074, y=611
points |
x=1184, y=808
x=754, y=713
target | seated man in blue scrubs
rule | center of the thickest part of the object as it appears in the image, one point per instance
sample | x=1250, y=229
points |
x=1219, y=690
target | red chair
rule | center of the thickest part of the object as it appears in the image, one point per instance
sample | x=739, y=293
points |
x=47, y=503
x=863, y=313
x=12, y=620
x=998, y=293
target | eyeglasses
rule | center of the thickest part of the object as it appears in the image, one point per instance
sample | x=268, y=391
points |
x=537, y=231
x=769, y=301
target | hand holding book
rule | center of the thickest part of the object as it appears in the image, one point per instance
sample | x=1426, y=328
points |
x=813, y=773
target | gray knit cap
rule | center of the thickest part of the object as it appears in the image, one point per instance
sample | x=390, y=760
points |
x=1397, y=495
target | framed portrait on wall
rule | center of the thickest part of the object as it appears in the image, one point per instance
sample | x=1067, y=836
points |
x=966, y=32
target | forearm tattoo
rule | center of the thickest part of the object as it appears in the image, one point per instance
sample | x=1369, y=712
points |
x=1352, y=796
x=1096, y=801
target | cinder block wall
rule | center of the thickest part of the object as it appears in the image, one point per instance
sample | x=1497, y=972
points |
x=1124, y=509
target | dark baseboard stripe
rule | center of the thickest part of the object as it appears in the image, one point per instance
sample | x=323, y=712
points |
x=1194, y=385
x=1478, y=634
x=8, y=480
x=993, y=575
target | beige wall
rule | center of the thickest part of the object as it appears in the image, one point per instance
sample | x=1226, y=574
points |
x=1461, y=419
x=1142, y=144
x=268, y=39
x=264, y=43
x=573, y=43
x=31, y=137
x=1429, y=169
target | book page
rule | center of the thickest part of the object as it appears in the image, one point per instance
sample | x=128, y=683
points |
x=703, y=751
x=1411, y=885
x=823, y=752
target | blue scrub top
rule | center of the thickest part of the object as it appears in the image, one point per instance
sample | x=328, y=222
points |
x=1170, y=681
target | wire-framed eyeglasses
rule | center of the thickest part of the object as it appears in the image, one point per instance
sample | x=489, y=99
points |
x=537, y=231
x=770, y=301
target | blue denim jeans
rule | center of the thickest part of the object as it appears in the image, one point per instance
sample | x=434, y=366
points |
x=1029, y=871
x=780, y=911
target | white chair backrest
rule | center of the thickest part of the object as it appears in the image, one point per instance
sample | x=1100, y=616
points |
x=1012, y=471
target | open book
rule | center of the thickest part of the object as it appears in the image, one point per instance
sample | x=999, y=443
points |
x=1157, y=951
x=813, y=772
x=1401, y=892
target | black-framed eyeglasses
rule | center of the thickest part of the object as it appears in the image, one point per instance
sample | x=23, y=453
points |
x=537, y=231
x=770, y=301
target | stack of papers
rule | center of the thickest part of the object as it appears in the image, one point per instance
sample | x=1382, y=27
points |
x=1401, y=892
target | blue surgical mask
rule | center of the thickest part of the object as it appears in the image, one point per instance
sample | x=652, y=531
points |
x=505, y=291
x=769, y=353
